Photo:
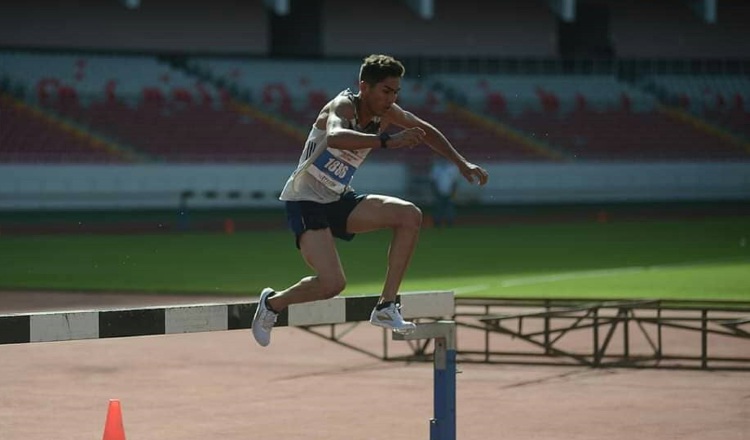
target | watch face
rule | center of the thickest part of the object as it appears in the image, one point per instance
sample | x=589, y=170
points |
x=383, y=138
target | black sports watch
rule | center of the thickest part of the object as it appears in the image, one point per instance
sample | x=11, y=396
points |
x=384, y=137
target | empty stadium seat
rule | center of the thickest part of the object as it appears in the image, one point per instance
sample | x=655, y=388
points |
x=161, y=112
x=589, y=117
x=298, y=89
x=550, y=93
x=45, y=77
x=722, y=99
x=620, y=135
x=169, y=115
x=28, y=136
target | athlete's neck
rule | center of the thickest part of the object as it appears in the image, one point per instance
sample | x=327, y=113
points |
x=364, y=116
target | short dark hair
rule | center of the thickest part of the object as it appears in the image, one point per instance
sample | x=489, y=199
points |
x=376, y=68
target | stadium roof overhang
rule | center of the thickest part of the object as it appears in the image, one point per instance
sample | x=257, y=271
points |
x=425, y=9
x=705, y=9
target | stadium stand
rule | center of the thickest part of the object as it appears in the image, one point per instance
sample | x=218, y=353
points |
x=291, y=89
x=590, y=117
x=29, y=135
x=516, y=94
x=168, y=114
x=628, y=136
x=296, y=90
x=91, y=76
x=722, y=99
x=162, y=112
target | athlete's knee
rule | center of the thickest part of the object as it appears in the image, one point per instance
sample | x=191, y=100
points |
x=411, y=216
x=331, y=285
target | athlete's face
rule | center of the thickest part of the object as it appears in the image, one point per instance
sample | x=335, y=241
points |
x=380, y=97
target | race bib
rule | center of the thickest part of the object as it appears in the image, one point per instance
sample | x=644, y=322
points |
x=335, y=168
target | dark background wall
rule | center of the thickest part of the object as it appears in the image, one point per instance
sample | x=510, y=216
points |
x=502, y=28
x=158, y=25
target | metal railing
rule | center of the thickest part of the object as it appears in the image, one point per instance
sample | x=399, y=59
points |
x=649, y=333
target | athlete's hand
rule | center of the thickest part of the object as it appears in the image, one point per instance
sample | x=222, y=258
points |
x=409, y=137
x=474, y=173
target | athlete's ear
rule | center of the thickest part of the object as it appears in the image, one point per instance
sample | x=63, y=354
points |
x=363, y=86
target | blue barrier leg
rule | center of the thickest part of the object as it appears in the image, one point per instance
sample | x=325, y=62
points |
x=443, y=423
x=443, y=426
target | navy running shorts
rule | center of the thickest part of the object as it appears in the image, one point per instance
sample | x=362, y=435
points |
x=304, y=215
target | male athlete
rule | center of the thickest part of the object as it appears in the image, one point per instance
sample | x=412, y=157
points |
x=320, y=204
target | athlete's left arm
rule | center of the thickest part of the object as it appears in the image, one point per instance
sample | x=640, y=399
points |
x=438, y=142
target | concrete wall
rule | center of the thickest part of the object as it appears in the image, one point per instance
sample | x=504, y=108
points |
x=459, y=28
x=670, y=29
x=612, y=182
x=470, y=27
x=507, y=28
x=158, y=25
x=159, y=186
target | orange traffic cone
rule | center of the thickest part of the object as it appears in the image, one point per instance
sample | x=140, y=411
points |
x=113, y=429
x=229, y=226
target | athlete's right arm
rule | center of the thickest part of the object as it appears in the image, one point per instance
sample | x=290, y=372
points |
x=339, y=135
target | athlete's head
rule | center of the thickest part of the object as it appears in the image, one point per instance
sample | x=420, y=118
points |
x=380, y=82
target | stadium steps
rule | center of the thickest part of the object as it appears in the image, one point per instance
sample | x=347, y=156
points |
x=94, y=141
x=716, y=105
x=533, y=145
x=241, y=105
x=704, y=126
x=270, y=119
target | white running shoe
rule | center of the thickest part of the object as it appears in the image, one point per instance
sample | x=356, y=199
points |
x=264, y=319
x=390, y=317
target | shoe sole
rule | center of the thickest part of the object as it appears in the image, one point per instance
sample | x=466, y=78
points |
x=403, y=331
x=263, y=296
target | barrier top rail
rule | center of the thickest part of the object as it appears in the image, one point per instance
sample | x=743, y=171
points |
x=51, y=326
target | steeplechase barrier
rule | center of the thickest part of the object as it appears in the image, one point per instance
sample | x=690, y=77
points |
x=17, y=328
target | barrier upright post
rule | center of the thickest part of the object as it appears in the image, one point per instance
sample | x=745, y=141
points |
x=443, y=425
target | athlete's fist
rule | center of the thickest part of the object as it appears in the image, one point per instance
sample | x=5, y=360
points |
x=474, y=173
x=410, y=137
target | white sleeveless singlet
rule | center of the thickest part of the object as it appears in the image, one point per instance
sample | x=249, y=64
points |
x=323, y=173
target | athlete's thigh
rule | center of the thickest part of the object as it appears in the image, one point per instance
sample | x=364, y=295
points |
x=377, y=212
x=318, y=248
